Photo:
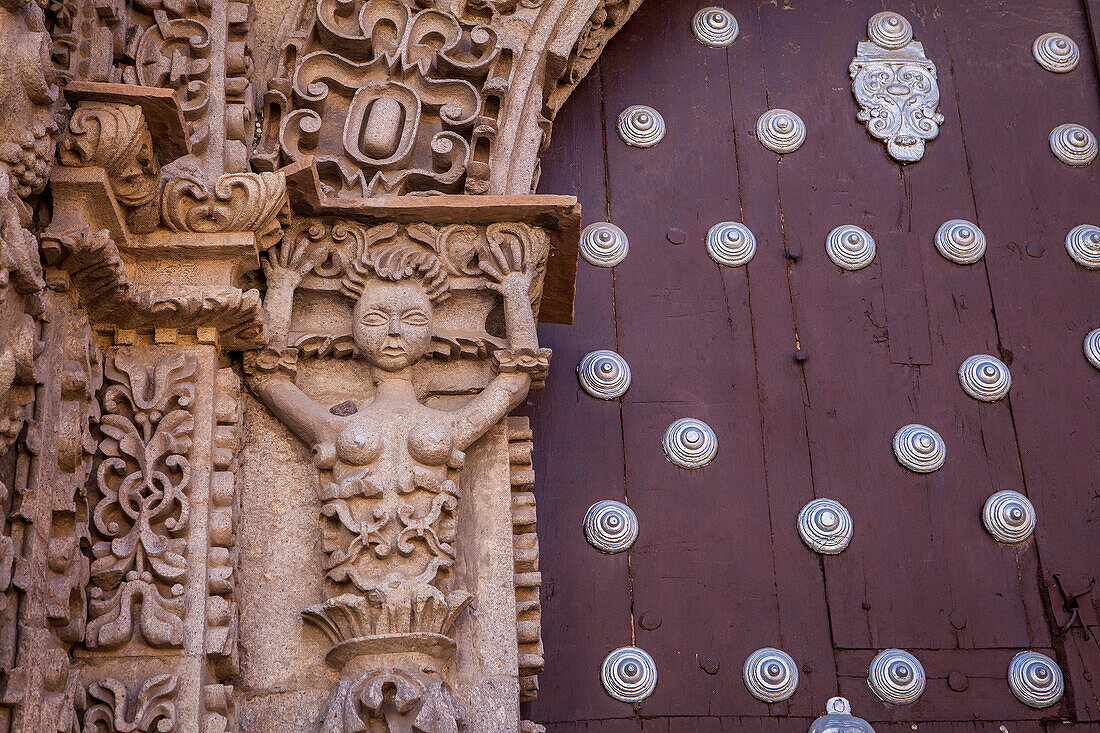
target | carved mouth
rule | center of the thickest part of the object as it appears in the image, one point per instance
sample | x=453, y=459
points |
x=393, y=351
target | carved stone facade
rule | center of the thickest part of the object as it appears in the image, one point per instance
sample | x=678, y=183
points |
x=228, y=304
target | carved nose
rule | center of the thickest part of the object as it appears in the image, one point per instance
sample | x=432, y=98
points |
x=382, y=126
x=898, y=90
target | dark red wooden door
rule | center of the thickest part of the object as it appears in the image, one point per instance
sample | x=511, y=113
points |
x=806, y=371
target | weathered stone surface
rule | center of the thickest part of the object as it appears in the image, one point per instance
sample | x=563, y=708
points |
x=256, y=469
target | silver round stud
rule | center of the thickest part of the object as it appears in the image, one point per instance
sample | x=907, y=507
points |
x=850, y=247
x=1073, y=144
x=889, y=30
x=604, y=374
x=714, y=27
x=1009, y=517
x=838, y=718
x=1092, y=347
x=1056, y=52
x=1083, y=245
x=1035, y=679
x=610, y=526
x=690, y=443
x=896, y=677
x=603, y=244
x=640, y=126
x=985, y=377
x=919, y=448
x=770, y=674
x=629, y=674
x=730, y=243
x=781, y=131
x=825, y=526
x=960, y=241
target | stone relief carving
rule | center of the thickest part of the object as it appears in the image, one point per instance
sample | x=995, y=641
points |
x=895, y=85
x=112, y=707
x=144, y=510
x=388, y=471
x=390, y=100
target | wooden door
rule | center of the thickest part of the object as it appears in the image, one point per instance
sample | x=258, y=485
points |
x=806, y=371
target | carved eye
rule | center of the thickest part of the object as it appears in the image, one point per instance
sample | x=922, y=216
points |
x=374, y=318
x=415, y=318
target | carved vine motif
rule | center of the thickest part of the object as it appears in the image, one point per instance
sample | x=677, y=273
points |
x=144, y=509
x=113, y=708
x=895, y=85
x=390, y=100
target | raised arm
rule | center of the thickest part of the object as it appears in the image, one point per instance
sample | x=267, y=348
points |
x=270, y=371
x=509, y=274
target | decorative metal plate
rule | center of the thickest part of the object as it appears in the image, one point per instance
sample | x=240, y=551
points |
x=960, y=241
x=690, y=443
x=1009, y=517
x=825, y=526
x=850, y=247
x=919, y=448
x=896, y=677
x=838, y=718
x=781, y=131
x=985, y=377
x=895, y=85
x=603, y=244
x=1073, y=144
x=1056, y=52
x=604, y=374
x=770, y=674
x=1083, y=245
x=730, y=243
x=610, y=526
x=714, y=27
x=1092, y=347
x=641, y=126
x=1035, y=679
x=629, y=674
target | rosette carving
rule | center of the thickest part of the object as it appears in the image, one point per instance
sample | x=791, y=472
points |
x=143, y=513
x=895, y=85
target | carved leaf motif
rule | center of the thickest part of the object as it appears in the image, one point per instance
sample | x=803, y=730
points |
x=147, y=431
x=240, y=202
x=153, y=708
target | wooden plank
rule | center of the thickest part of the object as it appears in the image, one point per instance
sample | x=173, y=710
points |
x=1045, y=303
x=920, y=556
x=804, y=630
x=986, y=696
x=703, y=560
x=578, y=457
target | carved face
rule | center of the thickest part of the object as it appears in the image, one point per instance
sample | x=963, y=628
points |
x=393, y=324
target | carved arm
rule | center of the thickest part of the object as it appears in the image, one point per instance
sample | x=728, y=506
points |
x=510, y=275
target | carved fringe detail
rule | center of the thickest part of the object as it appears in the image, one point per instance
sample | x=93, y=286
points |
x=525, y=544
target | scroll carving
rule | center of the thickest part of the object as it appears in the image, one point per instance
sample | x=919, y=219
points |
x=249, y=202
x=422, y=91
x=143, y=514
x=116, y=138
x=114, y=708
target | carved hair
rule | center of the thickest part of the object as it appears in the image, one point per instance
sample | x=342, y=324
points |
x=394, y=261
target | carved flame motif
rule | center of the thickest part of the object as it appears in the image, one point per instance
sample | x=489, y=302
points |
x=394, y=102
x=147, y=427
x=895, y=85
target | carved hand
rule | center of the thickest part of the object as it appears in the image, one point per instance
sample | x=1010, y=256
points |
x=284, y=267
x=507, y=270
